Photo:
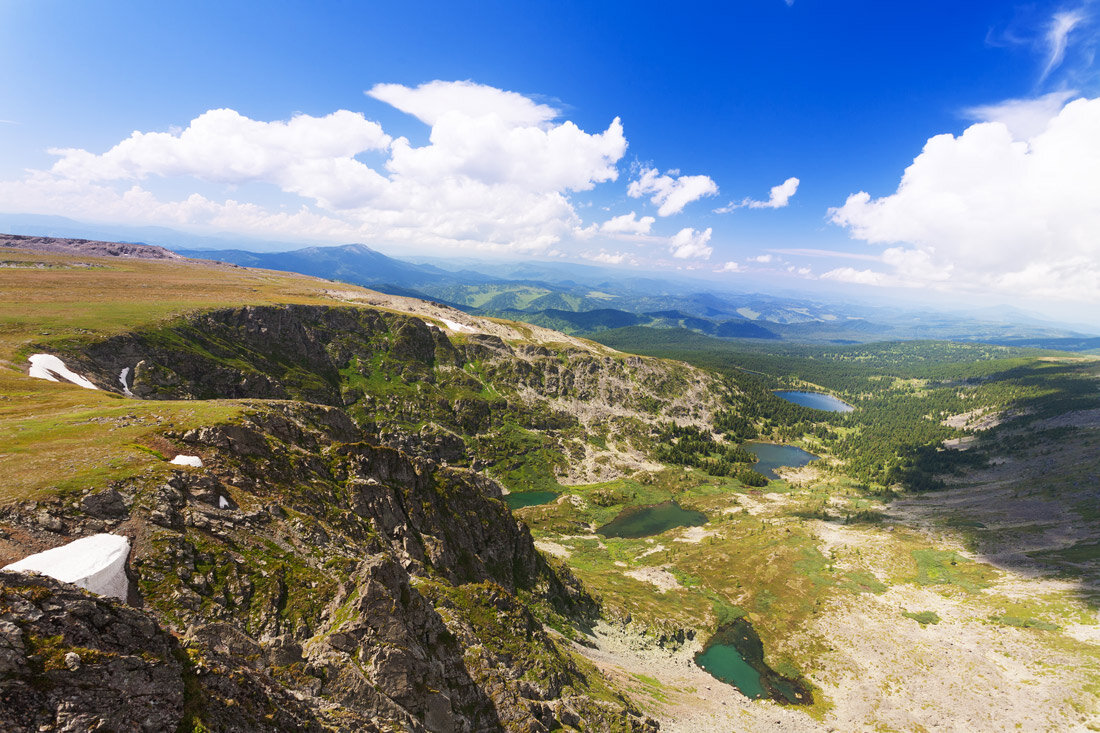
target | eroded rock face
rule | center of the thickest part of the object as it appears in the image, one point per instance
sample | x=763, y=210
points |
x=357, y=574
x=393, y=640
x=73, y=662
x=70, y=661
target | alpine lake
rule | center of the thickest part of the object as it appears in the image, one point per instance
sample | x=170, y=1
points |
x=815, y=400
x=646, y=521
x=770, y=456
x=519, y=500
x=735, y=656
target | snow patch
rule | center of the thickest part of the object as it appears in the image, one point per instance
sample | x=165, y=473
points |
x=48, y=366
x=182, y=460
x=458, y=327
x=122, y=377
x=97, y=563
x=223, y=503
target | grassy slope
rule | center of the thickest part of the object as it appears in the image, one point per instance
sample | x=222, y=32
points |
x=57, y=436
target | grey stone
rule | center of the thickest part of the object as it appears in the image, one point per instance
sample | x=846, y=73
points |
x=106, y=504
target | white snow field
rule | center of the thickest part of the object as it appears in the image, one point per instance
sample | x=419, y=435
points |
x=48, y=366
x=97, y=563
x=182, y=460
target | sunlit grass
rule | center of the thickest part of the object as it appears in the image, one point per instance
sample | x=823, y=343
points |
x=57, y=438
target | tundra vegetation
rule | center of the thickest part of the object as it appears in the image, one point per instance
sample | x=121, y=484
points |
x=344, y=558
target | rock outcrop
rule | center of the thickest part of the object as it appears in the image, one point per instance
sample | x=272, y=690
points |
x=344, y=583
x=410, y=385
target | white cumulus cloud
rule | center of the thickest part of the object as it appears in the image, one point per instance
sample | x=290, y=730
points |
x=608, y=258
x=497, y=173
x=689, y=244
x=224, y=146
x=310, y=156
x=627, y=224
x=990, y=212
x=859, y=277
x=670, y=194
x=779, y=197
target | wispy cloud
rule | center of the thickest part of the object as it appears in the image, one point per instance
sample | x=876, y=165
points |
x=810, y=252
x=1024, y=118
x=8, y=122
x=1057, y=37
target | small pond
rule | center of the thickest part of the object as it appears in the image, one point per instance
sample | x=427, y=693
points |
x=770, y=456
x=735, y=656
x=529, y=498
x=645, y=521
x=816, y=400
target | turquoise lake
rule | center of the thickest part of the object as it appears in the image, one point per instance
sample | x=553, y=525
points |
x=816, y=400
x=726, y=663
x=735, y=656
x=771, y=456
x=646, y=521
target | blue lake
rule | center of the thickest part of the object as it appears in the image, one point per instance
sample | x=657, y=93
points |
x=646, y=521
x=770, y=456
x=816, y=400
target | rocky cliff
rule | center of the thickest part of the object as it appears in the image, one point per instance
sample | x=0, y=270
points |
x=472, y=398
x=342, y=559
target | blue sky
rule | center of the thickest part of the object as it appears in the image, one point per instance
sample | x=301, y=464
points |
x=253, y=118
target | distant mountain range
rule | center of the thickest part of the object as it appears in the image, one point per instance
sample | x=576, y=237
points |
x=580, y=299
x=584, y=299
x=353, y=263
